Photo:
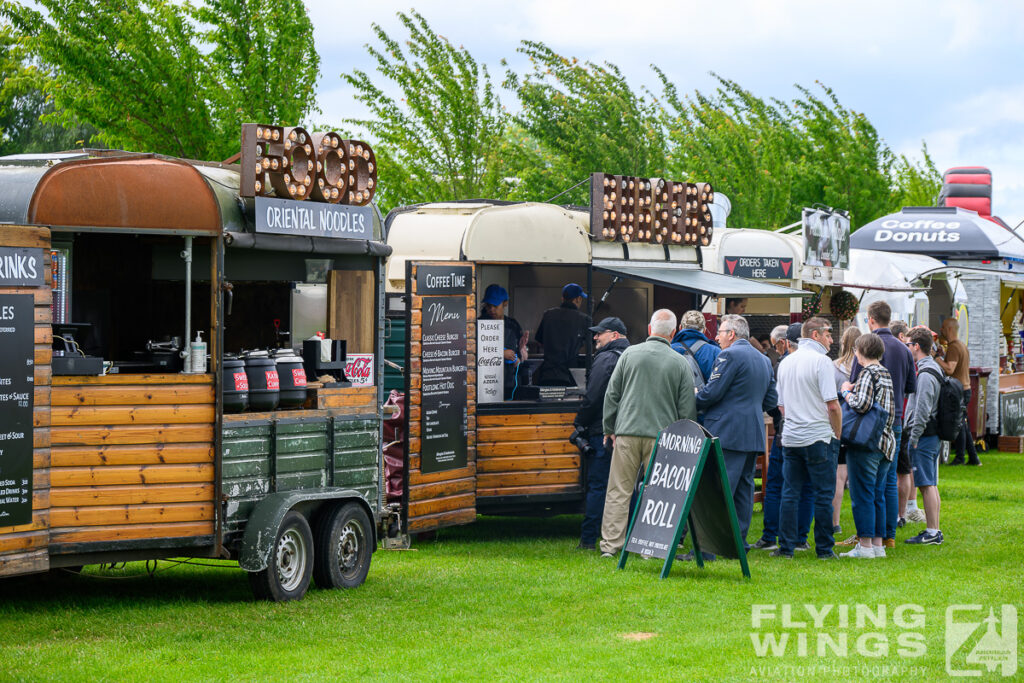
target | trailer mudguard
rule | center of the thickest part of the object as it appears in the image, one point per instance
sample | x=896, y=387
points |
x=262, y=525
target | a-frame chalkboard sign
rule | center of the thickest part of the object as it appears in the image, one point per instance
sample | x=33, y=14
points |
x=685, y=484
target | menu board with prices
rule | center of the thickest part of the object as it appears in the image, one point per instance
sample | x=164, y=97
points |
x=444, y=396
x=17, y=384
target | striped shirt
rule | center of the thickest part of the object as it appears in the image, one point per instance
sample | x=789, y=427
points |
x=875, y=384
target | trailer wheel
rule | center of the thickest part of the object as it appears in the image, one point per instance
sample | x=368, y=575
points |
x=343, y=548
x=291, y=563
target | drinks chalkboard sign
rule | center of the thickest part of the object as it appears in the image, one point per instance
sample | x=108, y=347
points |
x=445, y=424
x=685, y=484
x=17, y=384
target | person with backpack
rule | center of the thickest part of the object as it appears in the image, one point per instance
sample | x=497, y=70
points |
x=740, y=389
x=610, y=341
x=700, y=352
x=935, y=395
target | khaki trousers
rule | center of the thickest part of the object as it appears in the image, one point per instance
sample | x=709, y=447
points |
x=631, y=453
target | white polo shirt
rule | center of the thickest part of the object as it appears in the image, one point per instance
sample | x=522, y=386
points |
x=806, y=382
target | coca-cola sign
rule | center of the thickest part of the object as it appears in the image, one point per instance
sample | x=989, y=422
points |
x=359, y=369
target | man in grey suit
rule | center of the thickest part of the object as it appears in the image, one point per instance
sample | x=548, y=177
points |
x=738, y=393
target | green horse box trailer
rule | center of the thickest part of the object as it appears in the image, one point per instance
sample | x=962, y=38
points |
x=167, y=398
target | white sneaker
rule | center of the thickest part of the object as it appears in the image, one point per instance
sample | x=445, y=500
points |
x=860, y=552
x=915, y=515
x=879, y=550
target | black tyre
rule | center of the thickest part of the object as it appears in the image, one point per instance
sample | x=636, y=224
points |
x=343, y=548
x=291, y=563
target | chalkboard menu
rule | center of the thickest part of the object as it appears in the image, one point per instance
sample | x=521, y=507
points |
x=685, y=484
x=16, y=398
x=445, y=424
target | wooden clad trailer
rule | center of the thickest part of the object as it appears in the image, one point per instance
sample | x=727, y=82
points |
x=512, y=456
x=129, y=459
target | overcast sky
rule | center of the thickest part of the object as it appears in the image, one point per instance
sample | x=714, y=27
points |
x=946, y=72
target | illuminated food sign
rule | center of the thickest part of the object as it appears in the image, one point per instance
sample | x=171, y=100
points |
x=292, y=163
x=651, y=210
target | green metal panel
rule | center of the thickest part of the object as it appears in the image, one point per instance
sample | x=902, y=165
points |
x=291, y=455
x=300, y=462
x=394, y=351
x=343, y=440
x=361, y=457
x=355, y=477
x=239, y=468
x=302, y=480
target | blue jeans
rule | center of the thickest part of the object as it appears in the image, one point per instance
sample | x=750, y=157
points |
x=892, y=506
x=802, y=464
x=773, y=498
x=868, y=475
x=598, y=465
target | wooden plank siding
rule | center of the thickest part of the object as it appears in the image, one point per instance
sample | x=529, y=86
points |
x=131, y=459
x=526, y=454
x=23, y=549
x=439, y=499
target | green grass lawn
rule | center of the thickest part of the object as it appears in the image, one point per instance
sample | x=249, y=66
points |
x=511, y=599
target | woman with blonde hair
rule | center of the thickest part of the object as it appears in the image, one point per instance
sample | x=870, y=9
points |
x=843, y=364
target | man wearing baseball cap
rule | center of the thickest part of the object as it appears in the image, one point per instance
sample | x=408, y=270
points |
x=494, y=304
x=609, y=343
x=561, y=332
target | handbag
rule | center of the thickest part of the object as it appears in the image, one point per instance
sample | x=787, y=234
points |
x=864, y=430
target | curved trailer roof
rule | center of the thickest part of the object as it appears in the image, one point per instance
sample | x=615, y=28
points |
x=504, y=232
x=113, y=191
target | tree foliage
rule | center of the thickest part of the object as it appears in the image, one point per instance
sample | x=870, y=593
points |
x=161, y=76
x=772, y=158
x=917, y=183
x=446, y=137
x=22, y=103
x=583, y=117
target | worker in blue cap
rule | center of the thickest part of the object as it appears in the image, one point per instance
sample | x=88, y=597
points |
x=562, y=331
x=494, y=304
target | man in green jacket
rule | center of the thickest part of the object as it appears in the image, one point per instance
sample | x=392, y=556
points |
x=651, y=388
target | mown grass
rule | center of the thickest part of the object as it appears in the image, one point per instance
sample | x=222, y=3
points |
x=510, y=599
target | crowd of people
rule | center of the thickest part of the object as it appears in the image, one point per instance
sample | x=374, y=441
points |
x=871, y=421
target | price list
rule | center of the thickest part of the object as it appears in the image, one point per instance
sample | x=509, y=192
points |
x=16, y=399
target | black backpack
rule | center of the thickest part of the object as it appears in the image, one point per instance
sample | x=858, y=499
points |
x=950, y=413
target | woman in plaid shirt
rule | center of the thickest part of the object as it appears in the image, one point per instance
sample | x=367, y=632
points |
x=867, y=467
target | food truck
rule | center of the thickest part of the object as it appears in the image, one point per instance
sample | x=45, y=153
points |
x=169, y=393
x=987, y=259
x=468, y=451
x=777, y=257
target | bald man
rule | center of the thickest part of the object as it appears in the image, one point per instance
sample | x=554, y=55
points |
x=650, y=388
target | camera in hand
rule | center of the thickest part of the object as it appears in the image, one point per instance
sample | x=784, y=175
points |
x=578, y=438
